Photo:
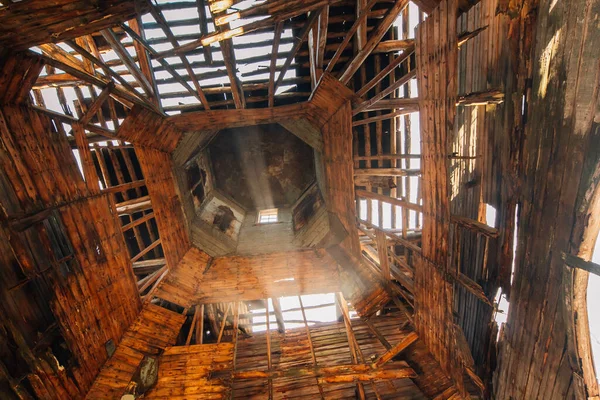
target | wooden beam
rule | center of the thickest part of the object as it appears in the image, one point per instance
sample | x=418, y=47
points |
x=352, y=343
x=310, y=343
x=358, y=22
x=377, y=334
x=191, y=332
x=403, y=111
x=224, y=322
x=388, y=199
x=475, y=226
x=200, y=326
x=312, y=18
x=97, y=104
x=278, y=315
x=280, y=10
x=162, y=22
x=386, y=172
x=228, y=52
x=273, y=66
x=154, y=278
x=390, y=46
x=397, y=349
x=108, y=71
x=78, y=71
x=339, y=374
x=269, y=362
x=143, y=58
x=134, y=205
x=137, y=222
x=125, y=186
x=128, y=62
x=392, y=104
x=146, y=250
x=375, y=37
x=392, y=65
x=178, y=78
x=382, y=251
x=576, y=262
x=493, y=96
x=87, y=162
x=203, y=24
x=386, y=92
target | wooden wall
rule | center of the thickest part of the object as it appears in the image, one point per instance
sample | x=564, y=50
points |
x=480, y=174
x=541, y=347
x=367, y=292
x=67, y=287
x=161, y=183
x=38, y=164
x=196, y=280
x=436, y=52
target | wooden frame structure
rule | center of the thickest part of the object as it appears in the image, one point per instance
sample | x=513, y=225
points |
x=423, y=116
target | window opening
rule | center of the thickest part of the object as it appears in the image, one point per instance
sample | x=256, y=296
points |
x=267, y=216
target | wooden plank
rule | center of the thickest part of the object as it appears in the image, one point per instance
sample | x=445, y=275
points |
x=395, y=350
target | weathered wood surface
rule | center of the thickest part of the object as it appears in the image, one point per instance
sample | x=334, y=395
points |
x=31, y=22
x=186, y=372
x=88, y=298
x=145, y=128
x=544, y=350
x=168, y=212
x=208, y=371
x=331, y=348
x=37, y=161
x=155, y=329
x=199, y=279
x=18, y=73
x=367, y=292
x=436, y=58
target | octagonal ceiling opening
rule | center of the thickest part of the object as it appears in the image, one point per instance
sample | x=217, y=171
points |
x=261, y=166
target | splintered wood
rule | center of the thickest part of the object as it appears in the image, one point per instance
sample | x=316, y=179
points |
x=155, y=329
x=436, y=57
x=199, y=279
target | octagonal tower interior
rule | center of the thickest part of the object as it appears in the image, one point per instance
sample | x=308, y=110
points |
x=246, y=171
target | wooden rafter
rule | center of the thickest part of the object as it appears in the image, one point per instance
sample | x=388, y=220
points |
x=362, y=18
x=162, y=22
x=178, y=78
x=203, y=24
x=273, y=66
x=384, y=25
x=128, y=61
x=229, y=59
x=312, y=18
